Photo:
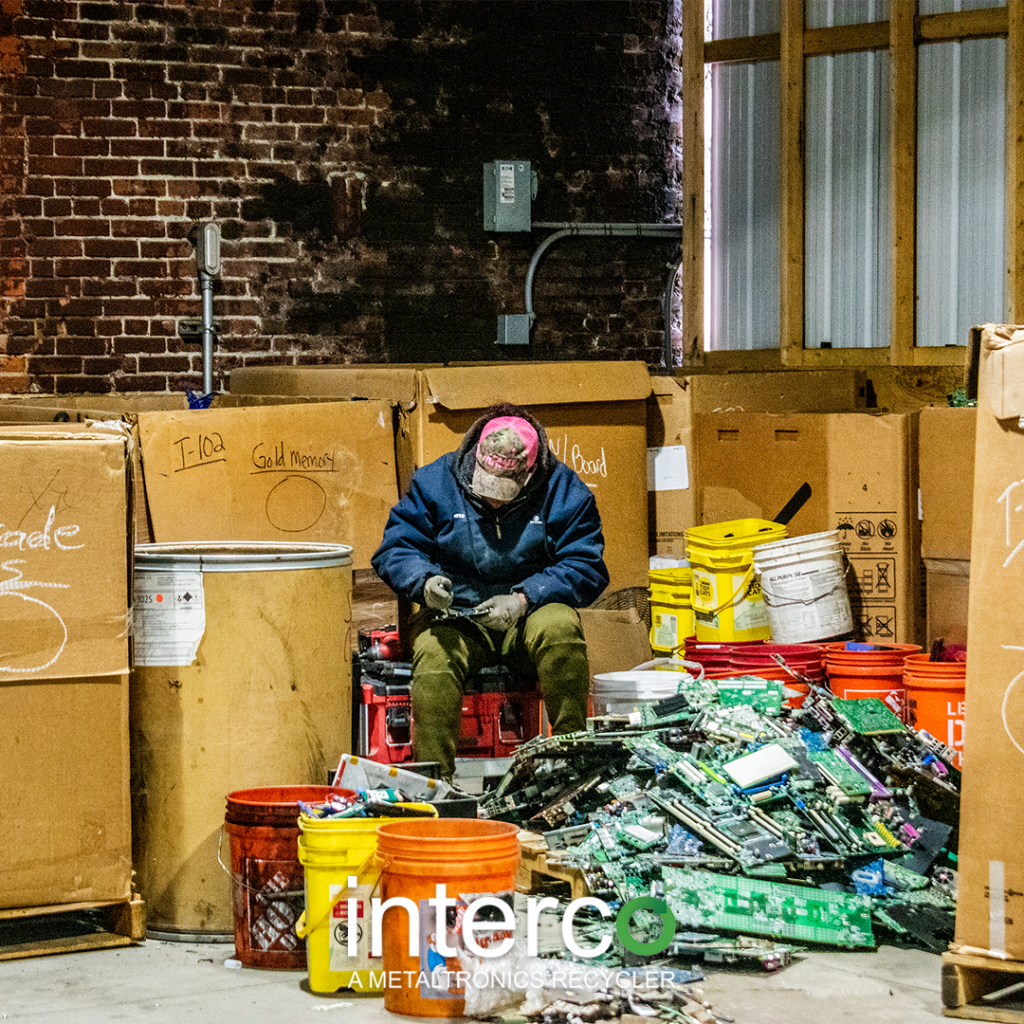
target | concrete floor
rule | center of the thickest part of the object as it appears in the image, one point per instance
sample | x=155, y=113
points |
x=163, y=982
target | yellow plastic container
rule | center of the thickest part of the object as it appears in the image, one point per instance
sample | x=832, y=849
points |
x=726, y=595
x=332, y=851
x=671, y=608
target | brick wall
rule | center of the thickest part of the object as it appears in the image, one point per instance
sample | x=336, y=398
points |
x=340, y=146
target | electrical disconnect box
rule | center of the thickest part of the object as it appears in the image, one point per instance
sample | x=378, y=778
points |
x=509, y=189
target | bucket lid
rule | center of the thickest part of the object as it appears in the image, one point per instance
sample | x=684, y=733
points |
x=735, y=533
x=240, y=556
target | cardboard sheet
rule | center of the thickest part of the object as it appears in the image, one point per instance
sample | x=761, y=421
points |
x=310, y=472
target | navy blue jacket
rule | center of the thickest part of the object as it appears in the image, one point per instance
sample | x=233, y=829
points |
x=546, y=543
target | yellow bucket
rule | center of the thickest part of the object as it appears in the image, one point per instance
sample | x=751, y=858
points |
x=671, y=608
x=726, y=595
x=332, y=851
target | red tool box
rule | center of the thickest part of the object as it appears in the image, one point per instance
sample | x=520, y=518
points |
x=493, y=724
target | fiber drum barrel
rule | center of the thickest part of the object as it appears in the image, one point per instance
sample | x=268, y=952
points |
x=266, y=875
x=242, y=679
x=803, y=585
x=475, y=861
x=726, y=596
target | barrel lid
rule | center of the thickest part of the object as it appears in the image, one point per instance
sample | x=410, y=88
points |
x=240, y=556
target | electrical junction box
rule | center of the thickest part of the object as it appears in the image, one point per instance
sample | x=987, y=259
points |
x=509, y=189
x=513, y=329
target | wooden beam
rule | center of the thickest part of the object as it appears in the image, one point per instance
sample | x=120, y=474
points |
x=692, y=284
x=791, y=150
x=871, y=35
x=936, y=28
x=903, y=180
x=748, y=49
x=1015, y=162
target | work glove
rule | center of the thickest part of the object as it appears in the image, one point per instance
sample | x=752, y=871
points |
x=437, y=593
x=500, y=612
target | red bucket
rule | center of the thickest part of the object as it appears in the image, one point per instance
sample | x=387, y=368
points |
x=266, y=877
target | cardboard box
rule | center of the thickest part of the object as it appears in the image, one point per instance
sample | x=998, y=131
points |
x=595, y=416
x=672, y=457
x=995, y=368
x=67, y=543
x=990, y=901
x=317, y=472
x=947, y=586
x=861, y=474
x=65, y=800
x=946, y=460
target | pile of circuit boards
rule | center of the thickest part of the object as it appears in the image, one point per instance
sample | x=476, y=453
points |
x=763, y=827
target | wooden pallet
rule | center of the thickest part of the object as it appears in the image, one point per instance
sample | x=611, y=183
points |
x=71, y=928
x=982, y=988
x=538, y=862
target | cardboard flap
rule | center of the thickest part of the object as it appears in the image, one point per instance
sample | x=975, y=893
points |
x=617, y=639
x=320, y=472
x=397, y=383
x=463, y=387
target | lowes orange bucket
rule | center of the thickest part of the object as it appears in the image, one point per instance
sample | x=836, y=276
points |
x=935, y=699
x=475, y=861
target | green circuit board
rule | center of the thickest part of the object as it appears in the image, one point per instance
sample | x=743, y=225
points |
x=703, y=900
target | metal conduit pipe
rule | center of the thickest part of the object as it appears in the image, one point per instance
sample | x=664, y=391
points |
x=569, y=230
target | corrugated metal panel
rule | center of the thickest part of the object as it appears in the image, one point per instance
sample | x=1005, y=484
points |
x=949, y=6
x=744, y=199
x=829, y=13
x=732, y=18
x=847, y=222
x=960, y=188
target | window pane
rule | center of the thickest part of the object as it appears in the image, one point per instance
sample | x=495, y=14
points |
x=829, y=13
x=731, y=18
x=950, y=6
x=847, y=231
x=960, y=188
x=744, y=207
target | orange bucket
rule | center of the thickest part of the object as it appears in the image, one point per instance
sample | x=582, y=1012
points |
x=935, y=699
x=266, y=876
x=854, y=682
x=472, y=858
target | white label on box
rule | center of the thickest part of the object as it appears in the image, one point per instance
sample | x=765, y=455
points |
x=667, y=469
x=170, y=617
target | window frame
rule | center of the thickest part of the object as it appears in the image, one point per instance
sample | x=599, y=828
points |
x=791, y=46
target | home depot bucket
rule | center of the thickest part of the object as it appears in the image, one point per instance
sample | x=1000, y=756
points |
x=856, y=671
x=726, y=596
x=671, y=608
x=266, y=876
x=803, y=585
x=334, y=852
x=935, y=699
x=472, y=859
x=242, y=679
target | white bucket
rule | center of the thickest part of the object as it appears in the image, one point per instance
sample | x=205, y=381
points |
x=803, y=582
x=619, y=693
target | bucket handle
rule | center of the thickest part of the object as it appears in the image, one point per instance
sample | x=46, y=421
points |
x=737, y=593
x=781, y=602
x=304, y=930
x=238, y=881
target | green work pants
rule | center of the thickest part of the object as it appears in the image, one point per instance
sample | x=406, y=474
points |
x=547, y=643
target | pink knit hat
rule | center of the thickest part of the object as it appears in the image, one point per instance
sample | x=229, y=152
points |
x=505, y=455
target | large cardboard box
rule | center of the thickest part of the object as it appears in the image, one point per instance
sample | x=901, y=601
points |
x=64, y=596
x=948, y=587
x=66, y=539
x=990, y=885
x=859, y=474
x=65, y=806
x=672, y=456
x=595, y=416
x=946, y=458
x=314, y=472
